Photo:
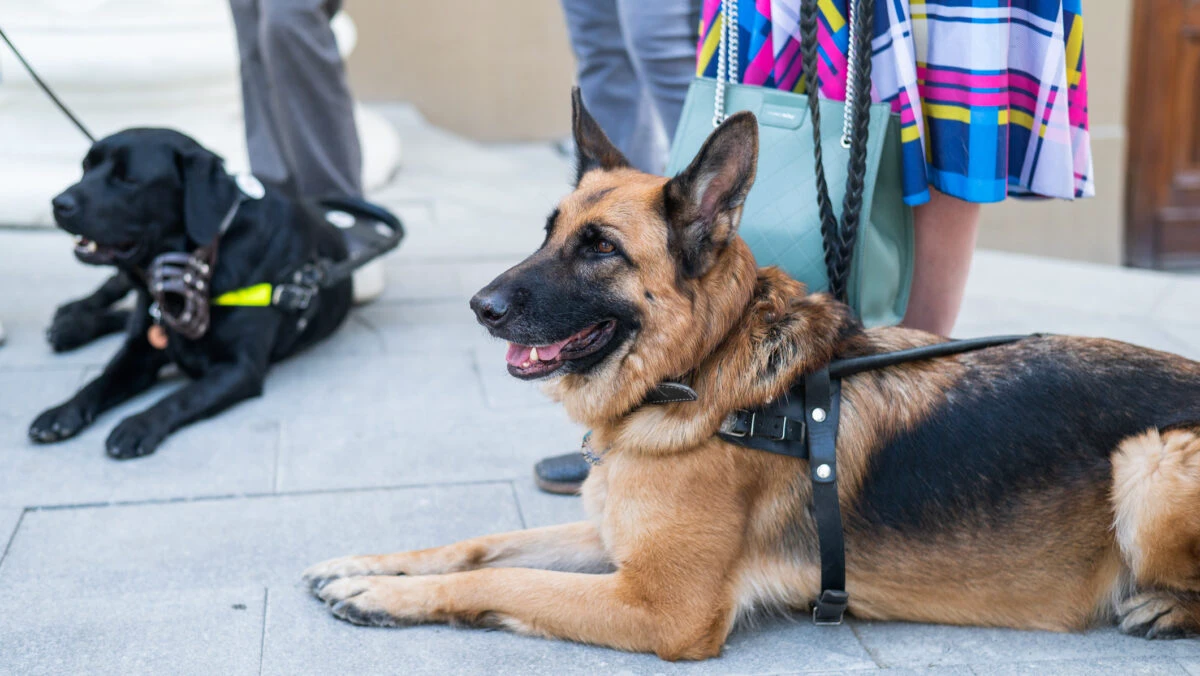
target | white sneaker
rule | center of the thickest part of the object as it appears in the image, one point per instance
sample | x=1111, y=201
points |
x=368, y=282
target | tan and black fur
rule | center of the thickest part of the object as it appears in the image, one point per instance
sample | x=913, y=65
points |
x=1052, y=483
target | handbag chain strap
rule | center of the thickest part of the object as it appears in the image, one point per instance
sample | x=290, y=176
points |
x=838, y=239
x=727, y=57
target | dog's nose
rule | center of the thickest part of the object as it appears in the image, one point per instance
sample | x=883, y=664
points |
x=64, y=205
x=490, y=308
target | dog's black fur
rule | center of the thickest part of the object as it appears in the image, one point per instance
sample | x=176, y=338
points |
x=81, y=321
x=149, y=191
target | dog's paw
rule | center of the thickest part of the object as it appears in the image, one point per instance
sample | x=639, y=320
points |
x=316, y=577
x=60, y=422
x=134, y=437
x=72, y=327
x=1156, y=615
x=376, y=601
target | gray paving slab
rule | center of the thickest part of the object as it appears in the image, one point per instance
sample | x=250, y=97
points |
x=204, y=459
x=302, y=638
x=436, y=327
x=1101, y=290
x=543, y=509
x=991, y=316
x=900, y=644
x=1103, y=667
x=455, y=440
x=210, y=631
x=261, y=542
x=9, y=518
x=1186, y=334
x=927, y=671
x=420, y=280
x=1181, y=302
x=25, y=392
x=475, y=275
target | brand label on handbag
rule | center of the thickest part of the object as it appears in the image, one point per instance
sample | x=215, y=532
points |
x=781, y=116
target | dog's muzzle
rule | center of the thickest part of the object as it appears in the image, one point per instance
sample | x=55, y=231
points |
x=179, y=284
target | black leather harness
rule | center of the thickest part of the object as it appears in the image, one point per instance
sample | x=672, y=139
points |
x=180, y=282
x=803, y=423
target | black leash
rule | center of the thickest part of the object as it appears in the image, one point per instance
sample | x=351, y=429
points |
x=803, y=424
x=46, y=88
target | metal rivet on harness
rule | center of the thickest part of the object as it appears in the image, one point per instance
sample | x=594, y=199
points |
x=818, y=414
x=823, y=471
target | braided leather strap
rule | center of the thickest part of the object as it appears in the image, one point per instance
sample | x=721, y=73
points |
x=839, y=240
x=808, y=55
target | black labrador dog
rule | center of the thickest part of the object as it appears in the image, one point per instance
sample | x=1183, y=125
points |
x=146, y=192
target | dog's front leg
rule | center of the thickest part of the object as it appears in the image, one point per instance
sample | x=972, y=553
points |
x=222, y=386
x=574, y=547
x=132, y=371
x=82, y=321
x=680, y=619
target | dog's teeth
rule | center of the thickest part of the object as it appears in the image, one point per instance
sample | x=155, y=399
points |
x=525, y=365
x=91, y=247
x=533, y=355
x=79, y=239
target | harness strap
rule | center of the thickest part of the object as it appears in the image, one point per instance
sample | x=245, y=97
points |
x=821, y=406
x=803, y=424
x=844, y=368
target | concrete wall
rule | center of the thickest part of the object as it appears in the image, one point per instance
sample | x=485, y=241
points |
x=459, y=61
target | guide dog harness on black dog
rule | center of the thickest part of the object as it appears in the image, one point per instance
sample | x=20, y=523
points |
x=180, y=282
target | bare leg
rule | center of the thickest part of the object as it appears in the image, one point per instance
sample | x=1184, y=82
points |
x=946, y=228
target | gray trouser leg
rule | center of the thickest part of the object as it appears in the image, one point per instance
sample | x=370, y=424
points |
x=607, y=80
x=299, y=112
x=636, y=59
x=662, y=39
x=266, y=158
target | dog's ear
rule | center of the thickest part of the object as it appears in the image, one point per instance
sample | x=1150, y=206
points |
x=208, y=192
x=703, y=203
x=593, y=150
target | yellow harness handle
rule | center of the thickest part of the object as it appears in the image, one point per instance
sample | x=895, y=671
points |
x=258, y=295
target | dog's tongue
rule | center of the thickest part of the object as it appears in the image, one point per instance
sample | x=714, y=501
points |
x=520, y=354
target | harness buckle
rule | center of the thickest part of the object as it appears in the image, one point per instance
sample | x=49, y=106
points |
x=829, y=607
x=294, y=297
x=732, y=427
x=783, y=430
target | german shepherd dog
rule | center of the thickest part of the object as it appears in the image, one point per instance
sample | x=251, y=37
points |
x=1052, y=483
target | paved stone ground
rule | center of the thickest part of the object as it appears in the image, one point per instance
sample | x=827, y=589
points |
x=404, y=431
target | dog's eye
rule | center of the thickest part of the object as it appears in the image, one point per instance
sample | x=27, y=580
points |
x=604, y=247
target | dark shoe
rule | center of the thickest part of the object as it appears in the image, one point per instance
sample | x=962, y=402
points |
x=562, y=474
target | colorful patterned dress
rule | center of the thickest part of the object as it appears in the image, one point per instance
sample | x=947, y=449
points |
x=992, y=94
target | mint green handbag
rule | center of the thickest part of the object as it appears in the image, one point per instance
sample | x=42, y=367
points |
x=782, y=220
